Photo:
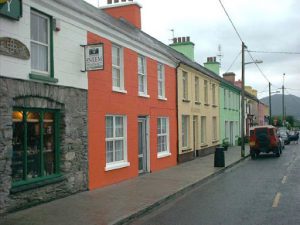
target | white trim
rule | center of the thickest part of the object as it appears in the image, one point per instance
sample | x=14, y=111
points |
x=143, y=95
x=166, y=134
x=161, y=68
x=116, y=165
x=162, y=99
x=119, y=67
x=119, y=90
x=163, y=154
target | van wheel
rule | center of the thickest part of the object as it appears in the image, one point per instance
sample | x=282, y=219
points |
x=252, y=154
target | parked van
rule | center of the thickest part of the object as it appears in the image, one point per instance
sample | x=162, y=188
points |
x=264, y=139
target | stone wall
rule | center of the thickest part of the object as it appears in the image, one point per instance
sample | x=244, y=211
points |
x=72, y=103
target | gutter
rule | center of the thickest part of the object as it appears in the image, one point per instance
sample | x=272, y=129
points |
x=178, y=65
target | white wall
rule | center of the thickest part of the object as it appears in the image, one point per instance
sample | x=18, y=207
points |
x=68, y=54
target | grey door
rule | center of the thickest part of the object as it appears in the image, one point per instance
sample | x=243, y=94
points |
x=142, y=124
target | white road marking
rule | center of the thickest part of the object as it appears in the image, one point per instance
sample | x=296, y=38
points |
x=284, y=180
x=276, y=200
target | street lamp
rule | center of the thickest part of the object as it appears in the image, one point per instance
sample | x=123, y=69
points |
x=243, y=98
x=283, y=113
x=270, y=103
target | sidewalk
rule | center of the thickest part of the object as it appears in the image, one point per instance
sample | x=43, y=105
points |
x=120, y=202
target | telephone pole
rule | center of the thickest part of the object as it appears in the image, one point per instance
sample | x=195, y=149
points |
x=283, y=116
x=243, y=103
x=270, y=105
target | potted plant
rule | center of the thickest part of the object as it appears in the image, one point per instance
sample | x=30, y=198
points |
x=225, y=144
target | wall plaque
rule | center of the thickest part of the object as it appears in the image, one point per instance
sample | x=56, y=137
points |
x=11, y=9
x=14, y=48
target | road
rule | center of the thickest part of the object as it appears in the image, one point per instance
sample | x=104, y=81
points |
x=258, y=192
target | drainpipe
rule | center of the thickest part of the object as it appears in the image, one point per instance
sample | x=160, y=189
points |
x=178, y=65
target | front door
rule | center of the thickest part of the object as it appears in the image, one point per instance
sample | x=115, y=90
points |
x=142, y=124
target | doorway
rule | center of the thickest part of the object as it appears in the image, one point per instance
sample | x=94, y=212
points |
x=143, y=145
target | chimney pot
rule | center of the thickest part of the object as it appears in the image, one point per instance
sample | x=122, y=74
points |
x=116, y=1
x=109, y=2
x=179, y=40
x=123, y=0
x=183, y=39
x=188, y=39
x=174, y=40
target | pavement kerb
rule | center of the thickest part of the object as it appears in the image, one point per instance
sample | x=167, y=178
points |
x=175, y=195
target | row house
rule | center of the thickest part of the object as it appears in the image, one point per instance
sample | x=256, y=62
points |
x=198, y=104
x=43, y=103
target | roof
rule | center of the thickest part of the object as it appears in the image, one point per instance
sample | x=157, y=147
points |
x=265, y=126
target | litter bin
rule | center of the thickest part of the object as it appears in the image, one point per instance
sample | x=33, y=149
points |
x=219, y=157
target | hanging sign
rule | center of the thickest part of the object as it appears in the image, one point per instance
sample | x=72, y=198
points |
x=14, y=48
x=11, y=9
x=94, y=57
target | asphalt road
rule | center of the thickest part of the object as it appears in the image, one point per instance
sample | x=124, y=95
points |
x=258, y=192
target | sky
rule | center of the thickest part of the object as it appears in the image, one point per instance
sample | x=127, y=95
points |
x=268, y=25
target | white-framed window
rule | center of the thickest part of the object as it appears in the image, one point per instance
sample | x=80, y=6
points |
x=117, y=68
x=215, y=128
x=203, y=129
x=163, y=145
x=142, y=75
x=184, y=85
x=206, y=92
x=197, y=89
x=40, y=43
x=161, y=81
x=185, y=131
x=213, y=94
x=116, y=141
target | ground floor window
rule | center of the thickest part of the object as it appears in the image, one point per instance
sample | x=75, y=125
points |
x=162, y=135
x=203, y=129
x=115, y=139
x=185, y=131
x=35, y=144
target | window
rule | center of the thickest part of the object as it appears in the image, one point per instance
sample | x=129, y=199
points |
x=230, y=99
x=225, y=99
x=35, y=145
x=41, y=40
x=197, y=90
x=161, y=81
x=203, y=129
x=142, y=75
x=215, y=128
x=115, y=140
x=185, y=85
x=117, y=68
x=162, y=136
x=213, y=94
x=205, y=92
x=185, y=131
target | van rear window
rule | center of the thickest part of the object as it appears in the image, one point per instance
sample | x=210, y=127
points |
x=259, y=131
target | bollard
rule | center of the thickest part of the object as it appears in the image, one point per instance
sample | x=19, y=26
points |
x=219, y=157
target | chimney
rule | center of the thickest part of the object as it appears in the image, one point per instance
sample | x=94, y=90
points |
x=184, y=46
x=126, y=9
x=212, y=65
x=230, y=76
x=238, y=83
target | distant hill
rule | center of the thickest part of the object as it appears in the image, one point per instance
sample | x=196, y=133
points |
x=292, y=104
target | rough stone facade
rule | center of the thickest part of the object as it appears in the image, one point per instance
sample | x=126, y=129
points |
x=72, y=103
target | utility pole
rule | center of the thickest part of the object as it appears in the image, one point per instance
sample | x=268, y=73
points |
x=270, y=105
x=283, y=116
x=243, y=103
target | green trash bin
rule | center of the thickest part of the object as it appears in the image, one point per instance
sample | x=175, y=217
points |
x=219, y=157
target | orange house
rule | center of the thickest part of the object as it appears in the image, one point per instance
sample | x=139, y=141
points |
x=132, y=123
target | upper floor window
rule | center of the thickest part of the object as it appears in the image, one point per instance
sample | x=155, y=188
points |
x=185, y=85
x=197, y=89
x=142, y=75
x=117, y=68
x=206, y=92
x=161, y=81
x=213, y=94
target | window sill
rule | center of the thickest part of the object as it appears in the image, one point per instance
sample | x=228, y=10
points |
x=115, y=166
x=198, y=103
x=163, y=154
x=162, y=98
x=42, y=78
x=215, y=141
x=215, y=106
x=186, y=150
x=186, y=100
x=119, y=90
x=38, y=182
x=203, y=145
x=144, y=95
x=206, y=104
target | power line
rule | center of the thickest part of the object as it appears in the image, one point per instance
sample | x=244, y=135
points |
x=270, y=52
x=258, y=67
x=233, y=61
x=231, y=21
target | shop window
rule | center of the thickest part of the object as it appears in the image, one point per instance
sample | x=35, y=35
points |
x=35, y=145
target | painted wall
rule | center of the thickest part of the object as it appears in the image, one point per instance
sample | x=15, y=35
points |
x=191, y=108
x=103, y=101
x=68, y=54
x=229, y=113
